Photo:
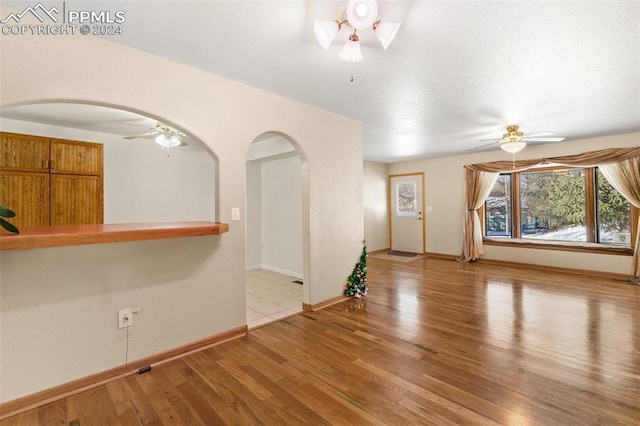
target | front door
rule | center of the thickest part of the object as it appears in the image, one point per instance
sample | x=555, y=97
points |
x=407, y=226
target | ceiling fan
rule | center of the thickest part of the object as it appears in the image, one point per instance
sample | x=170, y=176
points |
x=514, y=140
x=166, y=136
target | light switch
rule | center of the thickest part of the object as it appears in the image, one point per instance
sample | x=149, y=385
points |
x=428, y=209
x=235, y=214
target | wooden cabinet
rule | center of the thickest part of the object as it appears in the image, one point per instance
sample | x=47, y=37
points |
x=27, y=194
x=24, y=153
x=75, y=201
x=76, y=158
x=51, y=181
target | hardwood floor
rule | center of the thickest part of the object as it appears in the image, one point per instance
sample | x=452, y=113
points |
x=435, y=342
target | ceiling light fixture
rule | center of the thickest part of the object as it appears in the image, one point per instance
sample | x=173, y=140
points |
x=351, y=51
x=166, y=136
x=514, y=140
x=168, y=140
x=513, y=147
x=359, y=15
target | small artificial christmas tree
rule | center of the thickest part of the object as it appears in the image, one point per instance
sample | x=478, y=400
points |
x=357, y=281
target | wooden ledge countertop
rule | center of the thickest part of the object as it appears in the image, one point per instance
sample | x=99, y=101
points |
x=60, y=236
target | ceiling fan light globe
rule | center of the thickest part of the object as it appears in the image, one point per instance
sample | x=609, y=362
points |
x=386, y=31
x=325, y=32
x=361, y=14
x=167, y=140
x=351, y=52
x=513, y=147
x=361, y=9
x=161, y=139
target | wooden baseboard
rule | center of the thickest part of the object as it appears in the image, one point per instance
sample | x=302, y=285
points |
x=38, y=399
x=603, y=274
x=310, y=308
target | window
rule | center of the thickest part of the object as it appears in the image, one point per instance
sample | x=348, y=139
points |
x=406, y=199
x=558, y=205
x=613, y=212
x=552, y=205
x=498, y=208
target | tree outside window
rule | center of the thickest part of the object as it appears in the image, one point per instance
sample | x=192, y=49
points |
x=614, y=213
x=498, y=208
x=552, y=205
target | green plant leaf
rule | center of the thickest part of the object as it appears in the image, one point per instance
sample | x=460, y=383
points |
x=5, y=212
x=9, y=227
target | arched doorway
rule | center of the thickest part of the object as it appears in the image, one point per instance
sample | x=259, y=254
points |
x=275, y=229
x=140, y=178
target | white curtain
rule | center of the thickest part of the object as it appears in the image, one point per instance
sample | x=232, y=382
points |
x=624, y=176
x=478, y=186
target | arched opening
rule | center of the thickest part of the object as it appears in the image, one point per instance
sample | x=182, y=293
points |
x=276, y=229
x=142, y=182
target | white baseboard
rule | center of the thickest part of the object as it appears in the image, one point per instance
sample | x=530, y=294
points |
x=253, y=267
x=297, y=275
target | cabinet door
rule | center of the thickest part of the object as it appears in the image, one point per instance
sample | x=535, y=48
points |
x=76, y=200
x=23, y=152
x=27, y=194
x=78, y=158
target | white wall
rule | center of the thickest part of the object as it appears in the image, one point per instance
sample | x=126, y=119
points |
x=282, y=216
x=376, y=205
x=254, y=215
x=269, y=146
x=58, y=305
x=274, y=207
x=444, y=193
x=142, y=184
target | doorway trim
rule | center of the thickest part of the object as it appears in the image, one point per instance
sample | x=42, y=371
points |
x=390, y=207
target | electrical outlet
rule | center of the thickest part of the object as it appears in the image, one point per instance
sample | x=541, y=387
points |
x=125, y=318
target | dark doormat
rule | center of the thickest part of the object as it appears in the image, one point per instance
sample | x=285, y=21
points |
x=297, y=282
x=401, y=253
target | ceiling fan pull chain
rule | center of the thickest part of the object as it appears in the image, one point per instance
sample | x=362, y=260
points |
x=351, y=66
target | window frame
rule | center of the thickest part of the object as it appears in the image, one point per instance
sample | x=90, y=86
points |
x=590, y=245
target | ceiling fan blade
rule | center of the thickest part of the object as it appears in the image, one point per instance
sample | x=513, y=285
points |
x=545, y=139
x=496, y=140
x=143, y=135
x=535, y=134
x=485, y=145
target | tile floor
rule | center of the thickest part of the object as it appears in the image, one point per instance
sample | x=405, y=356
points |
x=271, y=296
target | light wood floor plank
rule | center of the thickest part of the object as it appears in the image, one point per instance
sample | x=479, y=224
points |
x=436, y=342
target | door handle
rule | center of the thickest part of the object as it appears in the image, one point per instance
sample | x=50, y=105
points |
x=419, y=218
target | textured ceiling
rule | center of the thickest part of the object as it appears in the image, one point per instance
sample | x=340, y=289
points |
x=457, y=72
